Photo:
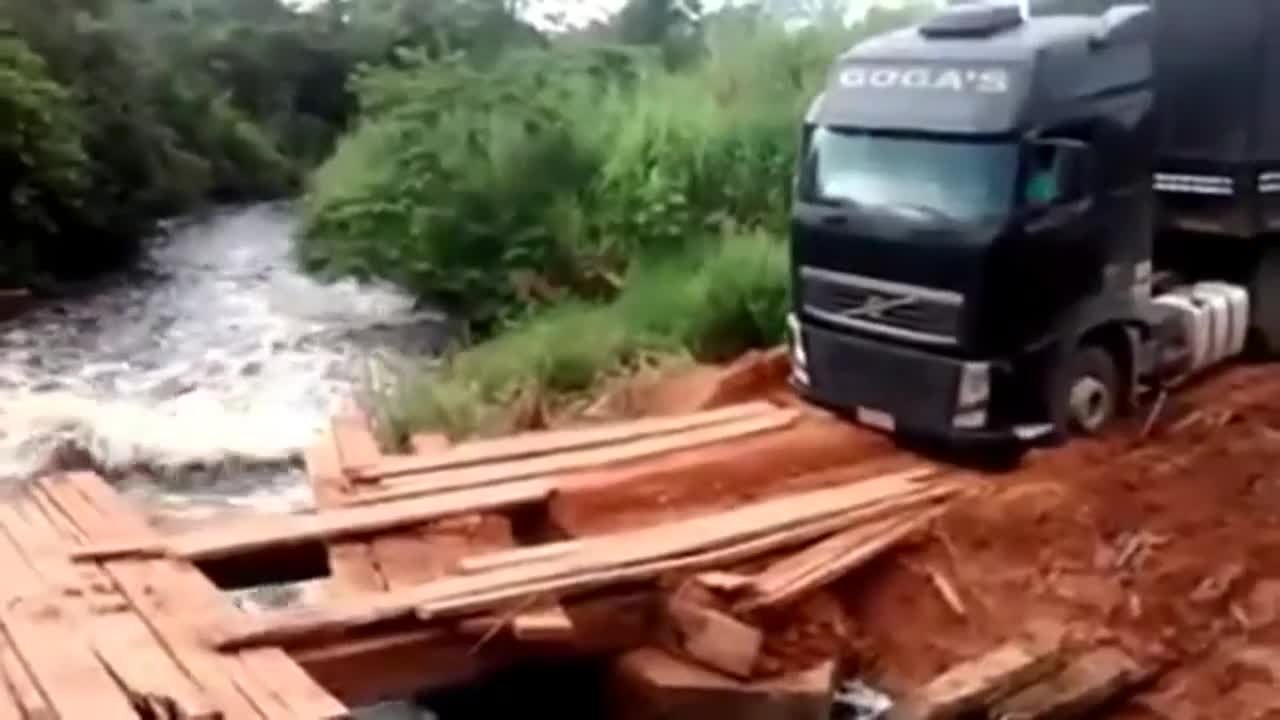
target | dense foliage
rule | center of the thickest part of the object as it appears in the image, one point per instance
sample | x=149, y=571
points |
x=585, y=207
x=120, y=112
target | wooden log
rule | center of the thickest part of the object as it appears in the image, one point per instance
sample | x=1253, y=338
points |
x=538, y=444
x=238, y=538
x=627, y=557
x=438, y=481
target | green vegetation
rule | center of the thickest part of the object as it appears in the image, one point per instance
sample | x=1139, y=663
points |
x=115, y=113
x=585, y=200
x=584, y=207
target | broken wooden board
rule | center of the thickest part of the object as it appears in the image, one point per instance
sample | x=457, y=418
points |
x=624, y=557
x=649, y=684
x=448, y=479
x=1086, y=684
x=537, y=444
x=548, y=623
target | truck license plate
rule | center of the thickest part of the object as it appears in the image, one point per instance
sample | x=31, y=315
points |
x=875, y=418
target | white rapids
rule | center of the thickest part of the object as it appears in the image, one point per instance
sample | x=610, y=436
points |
x=201, y=376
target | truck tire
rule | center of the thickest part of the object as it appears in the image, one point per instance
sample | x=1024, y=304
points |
x=1086, y=391
x=1264, y=303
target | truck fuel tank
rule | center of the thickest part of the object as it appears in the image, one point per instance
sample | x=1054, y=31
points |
x=1213, y=318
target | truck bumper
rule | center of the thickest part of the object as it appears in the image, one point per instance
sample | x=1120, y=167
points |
x=907, y=391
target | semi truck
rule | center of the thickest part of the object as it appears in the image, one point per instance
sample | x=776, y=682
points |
x=1010, y=226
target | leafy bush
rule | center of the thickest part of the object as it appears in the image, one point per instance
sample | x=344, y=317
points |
x=543, y=176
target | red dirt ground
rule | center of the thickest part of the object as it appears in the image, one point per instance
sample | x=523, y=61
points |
x=1168, y=546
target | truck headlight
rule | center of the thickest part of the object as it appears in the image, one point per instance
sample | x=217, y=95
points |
x=975, y=385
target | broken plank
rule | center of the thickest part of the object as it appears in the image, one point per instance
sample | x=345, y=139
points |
x=244, y=537
x=1082, y=687
x=438, y=481
x=535, y=444
x=74, y=681
x=845, y=557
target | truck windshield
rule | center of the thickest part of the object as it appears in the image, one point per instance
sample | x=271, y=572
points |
x=965, y=180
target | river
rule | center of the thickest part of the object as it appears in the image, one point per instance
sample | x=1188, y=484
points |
x=196, y=378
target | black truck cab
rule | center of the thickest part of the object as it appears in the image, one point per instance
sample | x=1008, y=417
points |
x=973, y=216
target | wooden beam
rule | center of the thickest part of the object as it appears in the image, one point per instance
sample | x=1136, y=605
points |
x=260, y=533
x=444, y=480
x=537, y=444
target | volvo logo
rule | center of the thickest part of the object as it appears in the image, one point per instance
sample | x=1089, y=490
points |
x=991, y=81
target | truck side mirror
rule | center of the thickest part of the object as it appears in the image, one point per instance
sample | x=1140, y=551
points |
x=1058, y=173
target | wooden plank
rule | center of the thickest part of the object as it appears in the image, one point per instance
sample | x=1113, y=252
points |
x=238, y=538
x=74, y=681
x=549, y=552
x=438, y=481
x=29, y=697
x=798, y=575
x=626, y=557
x=358, y=451
x=536, y=444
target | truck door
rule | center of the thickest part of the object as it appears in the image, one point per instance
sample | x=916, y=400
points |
x=1063, y=251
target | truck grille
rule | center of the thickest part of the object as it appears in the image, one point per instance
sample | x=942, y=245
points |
x=898, y=310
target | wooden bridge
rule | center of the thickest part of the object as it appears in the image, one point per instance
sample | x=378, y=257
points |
x=446, y=564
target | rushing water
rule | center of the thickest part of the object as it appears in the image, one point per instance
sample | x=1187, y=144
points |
x=198, y=377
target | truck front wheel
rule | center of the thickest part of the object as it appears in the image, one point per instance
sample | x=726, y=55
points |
x=1086, y=391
